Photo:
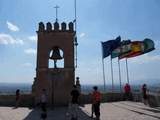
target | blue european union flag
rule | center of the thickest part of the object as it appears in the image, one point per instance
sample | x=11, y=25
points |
x=109, y=46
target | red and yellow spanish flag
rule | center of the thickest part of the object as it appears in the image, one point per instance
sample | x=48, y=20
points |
x=137, y=48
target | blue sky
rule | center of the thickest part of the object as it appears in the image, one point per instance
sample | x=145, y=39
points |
x=98, y=20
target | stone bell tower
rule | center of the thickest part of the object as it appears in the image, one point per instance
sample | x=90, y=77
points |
x=58, y=81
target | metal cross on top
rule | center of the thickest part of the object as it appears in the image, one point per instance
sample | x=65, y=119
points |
x=56, y=7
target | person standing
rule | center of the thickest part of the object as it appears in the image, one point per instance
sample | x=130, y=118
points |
x=78, y=85
x=17, y=98
x=74, y=103
x=127, y=92
x=44, y=104
x=96, y=98
x=144, y=94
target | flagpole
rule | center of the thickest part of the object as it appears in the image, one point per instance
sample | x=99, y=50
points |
x=120, y=82
x=104, y=81
x=127, y=71
x=112, y=75
x=75, y=13
x=75, y=21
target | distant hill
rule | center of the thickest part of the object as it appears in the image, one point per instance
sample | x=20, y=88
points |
x=150, y=82
x=10, y=88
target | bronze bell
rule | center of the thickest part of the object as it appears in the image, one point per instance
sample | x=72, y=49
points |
x=56, y=54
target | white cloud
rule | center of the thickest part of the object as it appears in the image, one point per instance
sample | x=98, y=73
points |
x=145, y=59
x=30, y=51
x=33, y=38
x=82, y=35
x=157, y=45
x=12, y=27
x=27, y=65
x=8, y=39
x=19, y=41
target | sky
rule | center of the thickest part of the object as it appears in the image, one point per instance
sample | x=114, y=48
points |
x=97, y=20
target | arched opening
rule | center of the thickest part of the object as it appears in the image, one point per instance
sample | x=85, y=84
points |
x=56, y=59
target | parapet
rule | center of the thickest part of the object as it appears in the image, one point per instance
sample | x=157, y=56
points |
x=56, y=27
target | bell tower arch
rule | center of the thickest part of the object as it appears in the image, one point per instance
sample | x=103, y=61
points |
x=52, y=39
x=56, y=55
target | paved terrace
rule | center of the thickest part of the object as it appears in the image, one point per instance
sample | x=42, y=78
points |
x=109, y=111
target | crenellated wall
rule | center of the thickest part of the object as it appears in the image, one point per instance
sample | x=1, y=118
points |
x=49, y=27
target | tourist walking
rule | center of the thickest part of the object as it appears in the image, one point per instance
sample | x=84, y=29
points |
x=96, y=99
x=74, y=103
x=144, y=94
x=17, y=98
x=44, y=104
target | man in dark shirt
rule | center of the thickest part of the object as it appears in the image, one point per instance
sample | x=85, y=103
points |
x=75, y=94
x=74, y=106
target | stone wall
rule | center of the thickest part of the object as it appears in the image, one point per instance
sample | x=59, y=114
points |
x=154, y=99
x=106, y=97
x=27, y=100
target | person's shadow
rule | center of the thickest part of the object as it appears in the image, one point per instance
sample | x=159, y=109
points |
x=58, y=113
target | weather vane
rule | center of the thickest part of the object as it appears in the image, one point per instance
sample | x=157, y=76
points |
x=56, y=7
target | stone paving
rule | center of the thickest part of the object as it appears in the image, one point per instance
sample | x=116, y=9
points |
x=126, y=111
x=109, y=111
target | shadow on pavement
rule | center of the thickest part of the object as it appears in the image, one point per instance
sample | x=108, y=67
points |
x=58, y=113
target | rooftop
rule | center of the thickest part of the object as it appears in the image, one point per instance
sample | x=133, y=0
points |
x=125, y=110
